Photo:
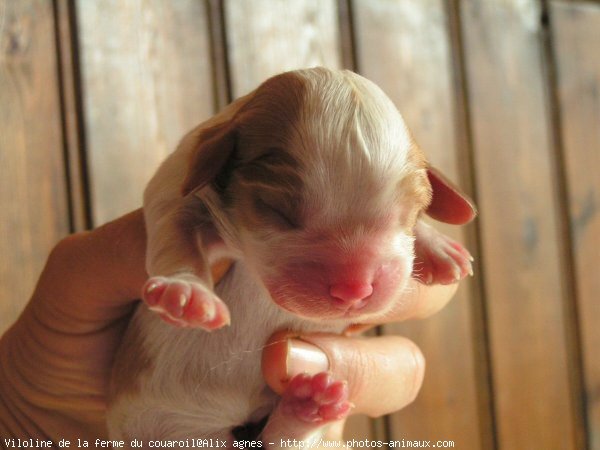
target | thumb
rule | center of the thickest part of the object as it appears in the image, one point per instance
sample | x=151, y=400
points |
x=384, y=374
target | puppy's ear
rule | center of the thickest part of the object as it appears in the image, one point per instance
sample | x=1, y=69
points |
x=214, y=147
x=211, y=145
x=449, y=204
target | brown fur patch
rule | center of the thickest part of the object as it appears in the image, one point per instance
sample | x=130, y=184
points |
x=415, y=188
x=265, y=169
x=214, y=147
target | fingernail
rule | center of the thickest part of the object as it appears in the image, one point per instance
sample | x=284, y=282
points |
x=303, y=357
x=182, y=301
x=178, y=311
x=210, y=311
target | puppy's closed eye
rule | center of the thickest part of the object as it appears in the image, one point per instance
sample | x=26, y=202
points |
x=274, y=169
x=283, y=218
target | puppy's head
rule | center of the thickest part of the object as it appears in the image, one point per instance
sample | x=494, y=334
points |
x=316, y=180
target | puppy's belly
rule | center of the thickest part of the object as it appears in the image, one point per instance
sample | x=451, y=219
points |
x=184, y=383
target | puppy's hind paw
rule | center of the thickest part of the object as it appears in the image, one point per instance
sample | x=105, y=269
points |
x=185, y=303
x=316, y=399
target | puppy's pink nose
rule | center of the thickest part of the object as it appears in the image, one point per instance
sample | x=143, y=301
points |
x=351, y=293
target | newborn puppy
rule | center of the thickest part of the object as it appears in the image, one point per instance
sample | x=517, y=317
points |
x=313, y=185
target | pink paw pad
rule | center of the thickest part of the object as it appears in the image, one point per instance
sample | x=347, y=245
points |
x=316, y=398
x=185, y=303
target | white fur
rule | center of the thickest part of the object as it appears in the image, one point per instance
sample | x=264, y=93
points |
x=208, y=382
x=203, y=384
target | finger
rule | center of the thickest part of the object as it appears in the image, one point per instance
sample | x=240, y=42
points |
x=419, y=301
x=384, y=373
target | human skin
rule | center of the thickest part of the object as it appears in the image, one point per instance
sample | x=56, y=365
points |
x=55, y=361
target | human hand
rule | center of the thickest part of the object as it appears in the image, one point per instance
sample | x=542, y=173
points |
x=55, y=361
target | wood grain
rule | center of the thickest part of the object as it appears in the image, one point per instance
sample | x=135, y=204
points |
x=69, y=89
x=404, y=48
x=576, y=34
x=266, y=37
x=33, y=196
x=524, y=279
x=147, y=79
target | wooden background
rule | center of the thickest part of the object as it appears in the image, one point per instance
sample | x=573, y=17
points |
x=504, y=95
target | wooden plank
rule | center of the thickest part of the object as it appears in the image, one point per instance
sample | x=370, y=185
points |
x=576, y=33
x=593, y=2
x=71, y=106
x=218, y=47
x=33, y=198
x=524, y=278
x=346, y=34
x=404, y=48
x=147, y=79
x=267, y=37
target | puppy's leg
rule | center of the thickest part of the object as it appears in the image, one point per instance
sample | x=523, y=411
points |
x=439, y=259
x=180, y=239
x=308, y=405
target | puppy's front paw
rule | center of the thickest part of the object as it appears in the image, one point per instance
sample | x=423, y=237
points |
x=438, y=258
x=185, y=303
x=316, y=399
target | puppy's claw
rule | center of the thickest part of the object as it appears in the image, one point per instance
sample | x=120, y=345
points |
x=456, y=273
x=153, y=292
x=183, y=301
x=151, y=287
x=428, y=278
